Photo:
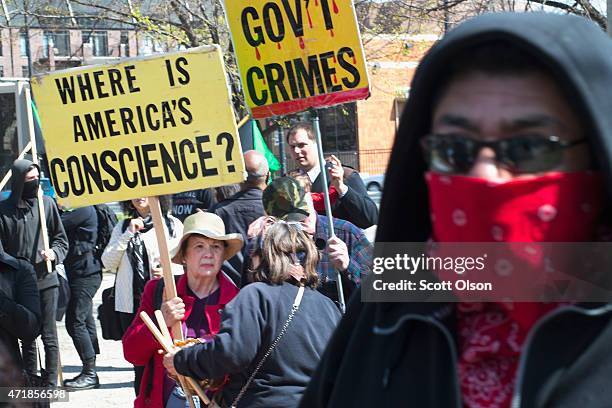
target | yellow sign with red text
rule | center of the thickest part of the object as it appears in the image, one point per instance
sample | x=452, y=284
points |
x=297, y=54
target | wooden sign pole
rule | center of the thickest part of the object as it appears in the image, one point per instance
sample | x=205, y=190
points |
x=41, y=206
x=164, y=255
x=169, y=285
x=8, y=175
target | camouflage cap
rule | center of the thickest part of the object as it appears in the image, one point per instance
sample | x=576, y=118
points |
x=284, y=198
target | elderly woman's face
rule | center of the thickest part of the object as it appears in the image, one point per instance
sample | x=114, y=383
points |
x=203, y=256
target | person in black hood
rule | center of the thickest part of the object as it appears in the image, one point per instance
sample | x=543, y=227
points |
x=503, y=102
x=85, y=276
x=19, y=304
x=20, y=233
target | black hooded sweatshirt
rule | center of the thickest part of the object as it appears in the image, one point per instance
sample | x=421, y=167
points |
x=19, y=304
x=20, y=230
x=404, y=354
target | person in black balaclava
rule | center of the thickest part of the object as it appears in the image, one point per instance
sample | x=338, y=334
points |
x=506, y=137
x=20, y=233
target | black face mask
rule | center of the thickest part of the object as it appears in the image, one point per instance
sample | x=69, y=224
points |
x=30, y=189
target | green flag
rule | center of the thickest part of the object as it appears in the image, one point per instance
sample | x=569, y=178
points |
x=260, y=145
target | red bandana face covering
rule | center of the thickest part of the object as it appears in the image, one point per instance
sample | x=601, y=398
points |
x=556, y=207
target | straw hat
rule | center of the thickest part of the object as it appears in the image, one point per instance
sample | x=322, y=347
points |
x=211, y=226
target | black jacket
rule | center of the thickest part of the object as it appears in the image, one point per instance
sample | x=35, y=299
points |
x=81, y=226
x=19, y=304
x=356, y=206
x=383, y=355
x=240, y=210
x=404, y=354
x=249, y=325
x=237, y=213
x=20, y=230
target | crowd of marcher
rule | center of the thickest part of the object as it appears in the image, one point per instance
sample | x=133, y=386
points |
x=262, y=242
x=506, y=108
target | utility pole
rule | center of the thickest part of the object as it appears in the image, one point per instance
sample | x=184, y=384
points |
x=446, y=25
x=281, y=148
x=609, y=13
x=7, y=16
x=27, y=39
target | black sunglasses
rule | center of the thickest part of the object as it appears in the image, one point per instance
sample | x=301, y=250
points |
x=454, y=153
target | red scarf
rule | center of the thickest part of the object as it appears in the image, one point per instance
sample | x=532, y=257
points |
x=556, y=207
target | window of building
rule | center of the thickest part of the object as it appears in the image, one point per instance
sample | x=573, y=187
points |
x=338, y=125
x=339, y=128
x=23, y=44
x=98, y=41
x=150, y=45
x=25, y=72
x=60, y=40
x=9, y=137
x=125, y=40
x=1, y=48
x=400, y=104
x=1, y=71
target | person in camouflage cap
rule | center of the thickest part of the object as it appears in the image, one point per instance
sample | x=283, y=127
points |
x=348, y=251
x=285, y=199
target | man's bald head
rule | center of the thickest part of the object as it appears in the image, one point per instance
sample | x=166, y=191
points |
x=257, y=169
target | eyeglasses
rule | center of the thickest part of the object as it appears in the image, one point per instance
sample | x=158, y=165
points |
x=454, y=153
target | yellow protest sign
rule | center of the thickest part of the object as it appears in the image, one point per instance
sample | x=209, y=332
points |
x=297, y=54
x=141, y=127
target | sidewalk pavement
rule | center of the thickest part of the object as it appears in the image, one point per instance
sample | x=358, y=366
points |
x=116, y=374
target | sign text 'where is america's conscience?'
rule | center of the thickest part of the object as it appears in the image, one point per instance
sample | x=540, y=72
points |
x=143, y=127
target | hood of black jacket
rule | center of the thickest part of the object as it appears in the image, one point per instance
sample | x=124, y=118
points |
x=579, y=56
x=19, y=170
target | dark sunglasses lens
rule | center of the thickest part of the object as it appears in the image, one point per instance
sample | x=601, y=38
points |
x=531, y=154
x=449, y=154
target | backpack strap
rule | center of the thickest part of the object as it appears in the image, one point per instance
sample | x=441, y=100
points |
x=159, y=294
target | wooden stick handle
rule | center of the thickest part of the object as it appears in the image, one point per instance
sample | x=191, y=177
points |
x=41, y=207
x=8, y=175
x=194, y=384
x=164, y=256
x=167, y=345
x=243, y=121
x=162, y=325
x=181, y=380
x=155, y=331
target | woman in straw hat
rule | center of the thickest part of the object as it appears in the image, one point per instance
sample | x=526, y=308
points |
x=273, y=333
x=202, y=293
x=132, y=253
